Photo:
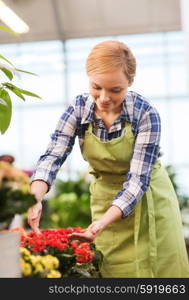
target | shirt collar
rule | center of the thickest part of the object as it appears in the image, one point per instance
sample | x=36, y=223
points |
x=124, y=115
x=88, y=113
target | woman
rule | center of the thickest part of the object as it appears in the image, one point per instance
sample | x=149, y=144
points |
x=136, y=221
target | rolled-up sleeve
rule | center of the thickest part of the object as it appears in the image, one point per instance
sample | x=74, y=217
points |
x=145, y=154
x=60, y=146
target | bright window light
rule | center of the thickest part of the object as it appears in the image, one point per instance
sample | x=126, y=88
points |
x=13, y=21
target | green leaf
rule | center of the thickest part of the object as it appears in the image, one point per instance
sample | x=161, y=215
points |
x=8, y=30
x=7, y=73
x=3, y=105
x=17, y=93
x=2, y=102
x=29, y=93
x=23, y=71
x=12, y=87
x=5, y=59
x=5, y=110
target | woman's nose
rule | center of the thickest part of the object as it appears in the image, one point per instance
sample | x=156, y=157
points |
x=104, y=97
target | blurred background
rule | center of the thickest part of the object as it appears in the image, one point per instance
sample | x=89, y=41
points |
x=55, y=42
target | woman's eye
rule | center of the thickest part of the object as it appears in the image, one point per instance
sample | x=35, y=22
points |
x=112, y=91
x=116, y=91
x=96, y=87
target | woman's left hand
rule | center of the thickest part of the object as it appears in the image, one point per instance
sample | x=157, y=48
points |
x=89, y=234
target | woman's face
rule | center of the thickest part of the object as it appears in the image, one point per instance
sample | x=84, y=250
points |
x=109, y=90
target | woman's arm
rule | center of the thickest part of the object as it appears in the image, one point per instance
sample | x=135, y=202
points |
x=145, y=154
x=39, y=188
x=112, y=214
x=61, y=144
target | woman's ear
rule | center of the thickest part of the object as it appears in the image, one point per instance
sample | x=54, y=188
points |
x=130, y=83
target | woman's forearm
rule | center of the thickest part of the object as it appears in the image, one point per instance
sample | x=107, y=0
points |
x=113, y=213
x=39, y=188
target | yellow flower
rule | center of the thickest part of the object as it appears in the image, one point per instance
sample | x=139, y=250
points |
x=55, y=262
x=25, y=251
x=49, y=262
x=37, y=264
x=38, y=268
x=25, y=268
x=54, y=274
x=35, y=259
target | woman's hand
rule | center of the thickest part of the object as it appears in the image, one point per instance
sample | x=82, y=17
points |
x=89, y=234
x=38, y=188
x=34, y=215
x=113, y=213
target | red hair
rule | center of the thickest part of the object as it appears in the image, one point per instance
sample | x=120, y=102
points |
x=110, y=55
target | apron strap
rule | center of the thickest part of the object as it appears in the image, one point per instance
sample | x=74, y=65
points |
x=152, y=233
x=90, y=128
x=136, y=234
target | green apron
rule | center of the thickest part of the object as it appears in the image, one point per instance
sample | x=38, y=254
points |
x=149, y=242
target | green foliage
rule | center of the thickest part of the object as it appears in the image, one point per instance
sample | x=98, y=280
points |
x=98, y=259
x=5, y=110
x=88, y=270
x=79, y=187
x=172, y=176
x=183, y=199
x=14, y=202
x=8, y=69
x=70, y=207
x=83, y=271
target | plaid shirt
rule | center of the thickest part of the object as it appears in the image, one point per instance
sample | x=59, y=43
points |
x=145, y=122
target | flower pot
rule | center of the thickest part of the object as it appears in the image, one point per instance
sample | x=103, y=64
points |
x=9, y=254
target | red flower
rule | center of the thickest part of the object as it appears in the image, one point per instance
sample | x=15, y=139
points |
x=57, y=239
x=84, y=253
